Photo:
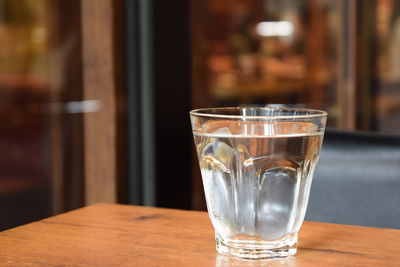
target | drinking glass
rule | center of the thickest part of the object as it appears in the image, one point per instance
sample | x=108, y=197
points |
x=257, y=165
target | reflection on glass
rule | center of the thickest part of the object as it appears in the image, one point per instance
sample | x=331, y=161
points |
x=24, y=135
x=387, y=93
x=37, y=140
x=272, y=51
x=340, y=56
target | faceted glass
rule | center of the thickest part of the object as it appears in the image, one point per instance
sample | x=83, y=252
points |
x=257, y=166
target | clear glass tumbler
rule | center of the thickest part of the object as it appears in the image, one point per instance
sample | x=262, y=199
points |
x=257, y=166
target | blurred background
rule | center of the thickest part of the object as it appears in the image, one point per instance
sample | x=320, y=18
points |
x=95, y=95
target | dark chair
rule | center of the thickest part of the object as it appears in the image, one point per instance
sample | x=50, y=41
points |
x=357, y=180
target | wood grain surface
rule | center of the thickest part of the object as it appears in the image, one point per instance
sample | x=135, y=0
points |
x=99, y=84
x=118, y=235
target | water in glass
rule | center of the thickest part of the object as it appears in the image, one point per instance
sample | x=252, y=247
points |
x=256, y=179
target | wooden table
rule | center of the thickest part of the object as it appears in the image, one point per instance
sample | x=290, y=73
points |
x=118, y=235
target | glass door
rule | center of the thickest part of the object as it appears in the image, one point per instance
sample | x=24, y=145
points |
x=61, y=107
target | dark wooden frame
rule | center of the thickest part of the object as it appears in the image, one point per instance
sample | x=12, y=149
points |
x=89, y=155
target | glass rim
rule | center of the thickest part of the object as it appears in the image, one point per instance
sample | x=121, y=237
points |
x=315, y=113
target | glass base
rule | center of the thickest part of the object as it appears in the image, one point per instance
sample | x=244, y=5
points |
x=251, y=249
